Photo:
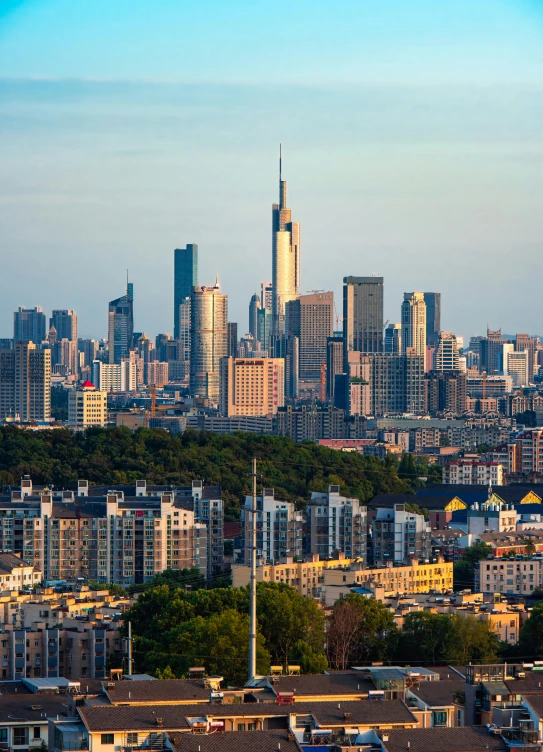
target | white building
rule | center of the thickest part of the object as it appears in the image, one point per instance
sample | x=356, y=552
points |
x=278, y=528
x=87, y=406
x=465, y=472
x=398, y=535
x=508, y=576
x=446, y=356
x=414, y=323
x=493, y=515
x=115, y=377
x=336, y=523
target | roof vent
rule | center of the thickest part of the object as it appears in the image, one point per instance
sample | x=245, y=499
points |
x=159, y=721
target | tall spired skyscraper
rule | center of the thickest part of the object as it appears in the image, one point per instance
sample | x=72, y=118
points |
x=285, y=256
x=120, y=330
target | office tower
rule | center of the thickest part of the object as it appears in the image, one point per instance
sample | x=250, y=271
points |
x=185, y=278
x=285, y=257
x=29, y=325
x=208, y=340
x=232, y=339
x=161, y=343
x=433, y=317
x=310, y=318
x=146, y=349
x=65, y=323
x=279, y=528
x=518, y=367
x=121, y=325
x=491, y=351
x=115, y=377
x=25, y=383
x=184, y=331
x=87, y=406
x=89, y=349
x=530, y=344
x=334, y=363
x=287, y=346
x=446, y=355
x=414, y=323
x=266, y=295
x=251, y=386
x=264, y=323
x=7, y=343
x=362, y=315
x=445, y=393
x=254, y=307
x=393, y=338
x=336, y=523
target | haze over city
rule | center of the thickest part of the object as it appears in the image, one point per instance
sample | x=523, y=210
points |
x=412, y=149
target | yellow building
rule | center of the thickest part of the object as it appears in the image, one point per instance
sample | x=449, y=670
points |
x=87, y=406
x=251, y=386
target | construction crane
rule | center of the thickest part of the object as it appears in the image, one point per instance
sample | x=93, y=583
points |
x=152, y=389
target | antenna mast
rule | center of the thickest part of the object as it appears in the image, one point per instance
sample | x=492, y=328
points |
x=252, y=608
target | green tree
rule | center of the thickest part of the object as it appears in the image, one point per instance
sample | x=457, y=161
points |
x=531, y=634
x=464, y=569
x=112, y=588
x=529, y=546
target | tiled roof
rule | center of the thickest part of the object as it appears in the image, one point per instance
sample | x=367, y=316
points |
x=536, y=703
x=9, y=562
x=143, y=717
x=235, y=741
x=167, y=690
x=353, y=683
x=439, y=693
x=20, y=706
x=462, y=739
x=532, y=684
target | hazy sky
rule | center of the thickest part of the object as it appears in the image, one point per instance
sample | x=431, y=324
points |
x=412, y=136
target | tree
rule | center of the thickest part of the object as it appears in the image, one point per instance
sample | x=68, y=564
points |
x=529, y=546
x=342, y=633
x=464, y=569
x=416, y=509
x=531, y=634
x=112, y=588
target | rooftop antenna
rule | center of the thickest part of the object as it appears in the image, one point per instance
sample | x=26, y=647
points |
x=280, y=161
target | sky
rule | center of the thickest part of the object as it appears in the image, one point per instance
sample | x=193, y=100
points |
x=412, y=140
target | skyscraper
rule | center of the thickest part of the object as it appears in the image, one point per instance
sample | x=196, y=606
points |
x=185, y=278
x=446, y=356
x=64, y=323
x=433, y=317
x=285, y=256
x=232, y=339
x=25, y=383
x=311, y=319
x=266, y=295
x=362, y=315
x=393, y=338
x=254, y=307
x=208, y=340
x=29, y=325
x=414, y=323
x=120, y=331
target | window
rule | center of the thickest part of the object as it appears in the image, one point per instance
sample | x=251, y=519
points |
x=107, y=739
x=241, y=727
x=37, y=733
x=3, y=735
x=440, y=718
x=132, y=739
x=20, y=736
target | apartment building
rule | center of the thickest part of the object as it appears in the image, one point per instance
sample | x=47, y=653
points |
x=87, y=406
x=25, y=383
x=106, y=538
x=251, y=386
x=278, y=528
x=335, y=523
x=398, y=535
x=16, y=574
x=466, y=472
x=522, y=455
x=509, y=576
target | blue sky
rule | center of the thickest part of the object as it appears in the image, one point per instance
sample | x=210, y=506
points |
x=412, y=132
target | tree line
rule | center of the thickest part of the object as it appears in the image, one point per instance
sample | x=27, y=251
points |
x=118, y=456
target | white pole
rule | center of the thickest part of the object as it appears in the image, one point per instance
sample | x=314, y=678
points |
x=252, y=609
x=129, y=648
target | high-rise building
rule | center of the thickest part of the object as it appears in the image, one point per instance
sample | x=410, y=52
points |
x=208, y=340
x=251, y=386
x=65, y=323
x=121, y=325
x=279, y=528
x=287, y=346
x=362, y=315
x=334, y=363
x=491, y=351
x=266, y=295
x=264, y=324
x=397, y=384
x=414, y=323
x=530, y=344
x=161, y=346
x=399, y=535
x=445, y=392
x=87, y=406
x=254, y=307
x=311, y=319
x=232, y=339
x=446, y=356
x=393, y=338
x=185, y=278
x=433, y=317
x=518, y=367
x=89, y=349
x=25, y=383
x=285, y=257
x=115, y=377
x=29, y=325
x=336, y=523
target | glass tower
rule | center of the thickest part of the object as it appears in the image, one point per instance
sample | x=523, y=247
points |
x=185, y=277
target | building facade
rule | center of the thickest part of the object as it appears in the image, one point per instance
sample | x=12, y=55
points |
x=25, y=383
x=29, y=325
x=285, y=257
x=414, y=323
x=279, y=528
x=185, y=277
x=310, y=318
x=209, y=340
x=121, y=325
x=335, y=524
x=363, y=314
x=398, y=535
x=87, y=406
x=251, y=386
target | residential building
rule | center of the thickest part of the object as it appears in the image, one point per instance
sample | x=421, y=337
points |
x=251, y=386
x=207, y=504
x=352, y=390
x=310, y=319
x=493, y=515
x=433, y=317
x=518, y=367
x=393, y=338
x=115, y=377
x=488, y=386
x=16, y=574
x=157, y=373
x=87, y=406
x=185, y=277
x=468, y=472
x=335, y=524
x=446, y=392
x=398, y=535
x=446, y=357
x=510, y=577
x=278, y=528
x=414, y=323
x=208, y=340
x=121, y=325
x=29, y=325
x=522, y=455
x=362, y=314
x=397, y=384
x=25, y=383
x=490, y=348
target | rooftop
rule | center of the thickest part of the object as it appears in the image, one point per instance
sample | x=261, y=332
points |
x=461, y=739
x=440, y=693
x=235, y=741
x=166, y=690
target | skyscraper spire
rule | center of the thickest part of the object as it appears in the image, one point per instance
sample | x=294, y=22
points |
x=280, y=161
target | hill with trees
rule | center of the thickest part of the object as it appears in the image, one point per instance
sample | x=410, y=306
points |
x=118, y=456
